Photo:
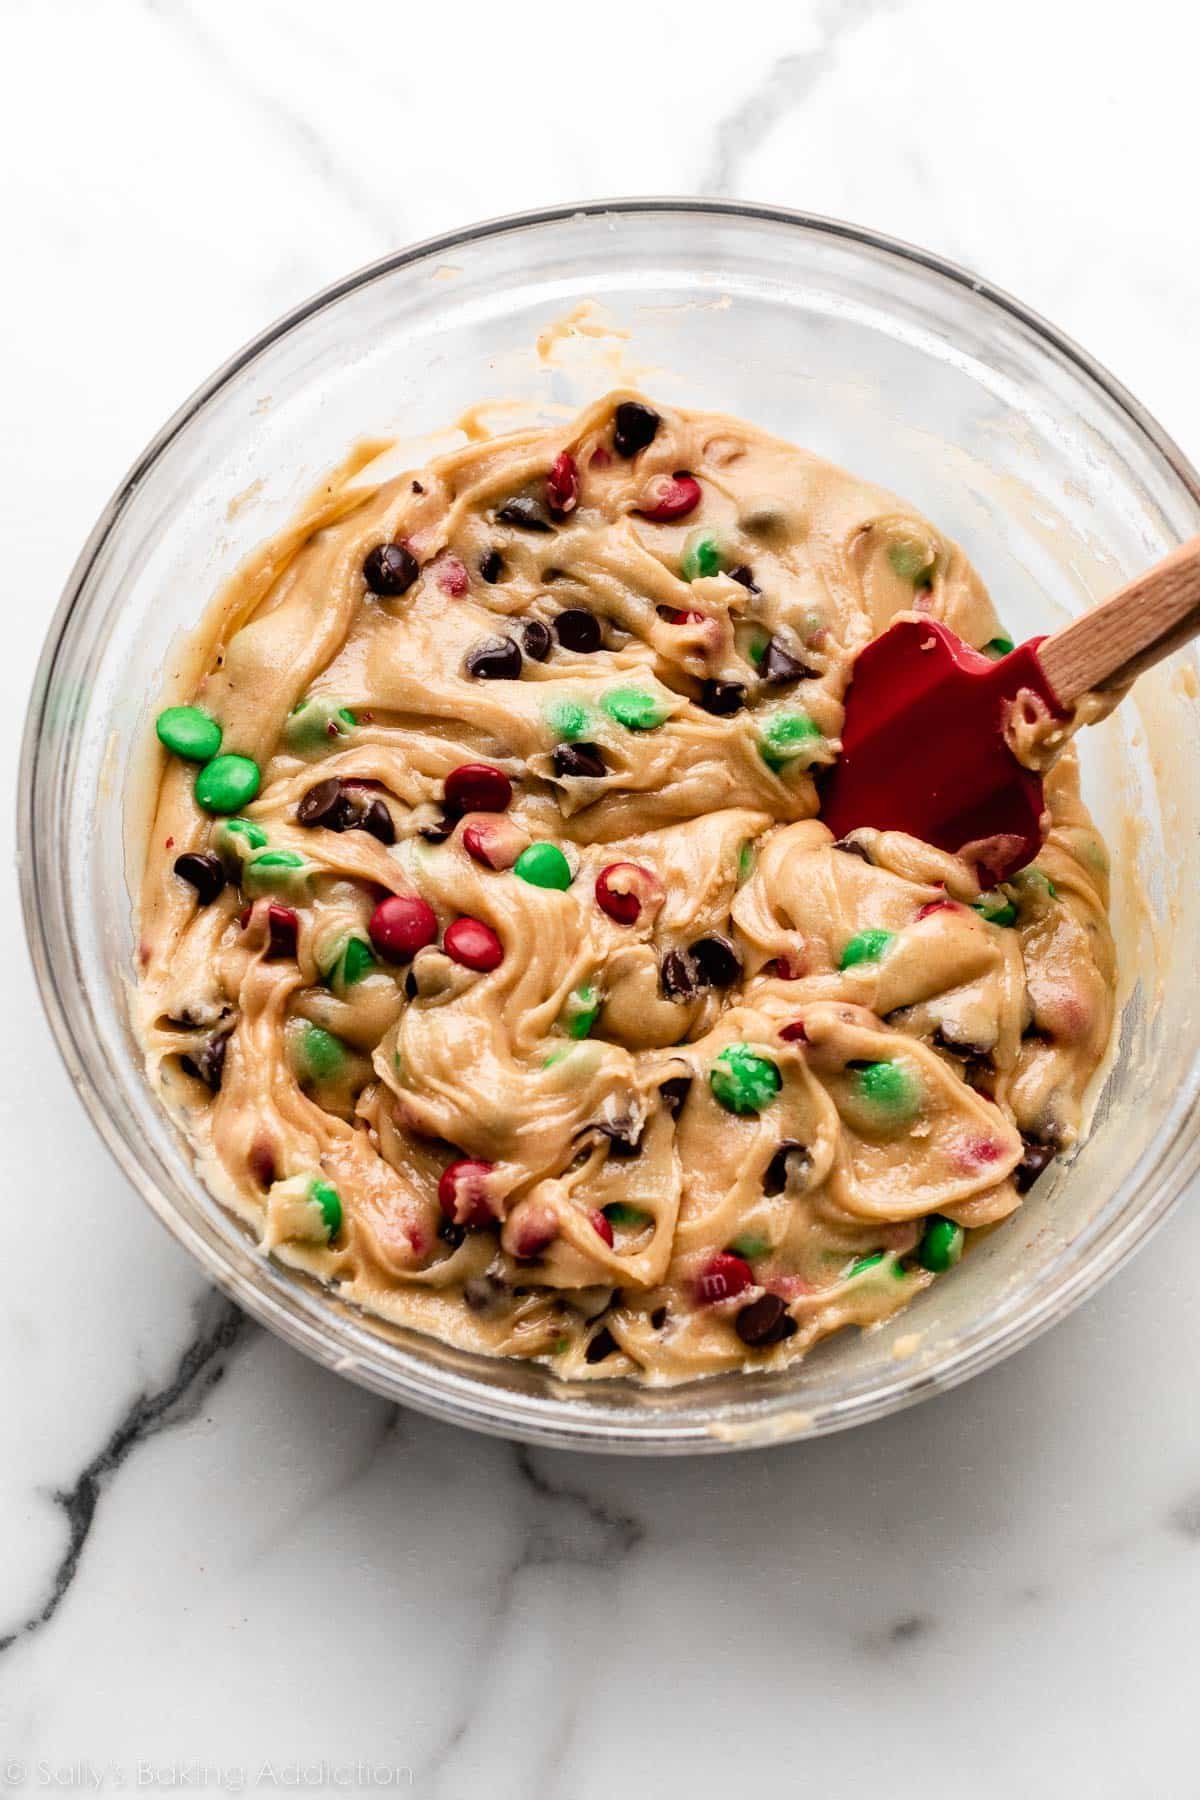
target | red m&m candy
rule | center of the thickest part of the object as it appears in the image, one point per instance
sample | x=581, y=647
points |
x=401, y=925
x=474, y=945
x=463, y=1192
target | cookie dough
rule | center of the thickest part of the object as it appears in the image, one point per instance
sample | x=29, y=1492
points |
x=493, y=954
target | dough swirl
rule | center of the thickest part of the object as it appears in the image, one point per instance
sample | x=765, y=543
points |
x=534, y=1006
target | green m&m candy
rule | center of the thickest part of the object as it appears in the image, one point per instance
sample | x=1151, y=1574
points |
x=635, y=709
x=787, y=738
x=701, y=556
x=619, y=1212
x=355, y=962
x=227, y=783
x=890, y=1090
x=317, y=723
x=580, y=1012
x=942, y=1244
x=575, y=1062
x=749, y=1246
x=350, y=963
x=864, y=1263
x=744, y=1081
x=912, y=561
x=316, y=1054
x=544, y=866
x=865, y=946
x=188, y=732
x=305, y=1209
x=234, y=839
x=1035, y=884
x=996, y=908
x=873, y=1261
x=329, y=1200
x=276, y=872
x=567, y=719
x=997, y=647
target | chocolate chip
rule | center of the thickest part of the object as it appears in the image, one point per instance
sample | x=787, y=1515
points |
x=437, y=834
x=979, y=1073
x=779, y=665
x=722, y=697
x=604, y=1344
x=674, y=1091
x=492, y=567
x=623, y=1142
x=1035, y=1160
x=851, y=847
x=677, y=976
x=417, y=488
x=526, y=512
x=410, y=985
x=485, y=1293
x=580, y=759
x=451, y=1234
x=946, y=1038
x=201, y=870
x=325, y=804
x=634, y=426
x=716, y=962
x=658, y=1318
x=378, y=821
x=776, y=1174
x=209, y=1063
x=578, y=630
x=743, y=575
x=537, y=639
x=390, y=569
x=494, y=659
x=764, y=1321
x=261, y=1161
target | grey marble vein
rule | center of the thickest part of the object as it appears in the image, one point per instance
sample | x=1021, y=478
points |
x=1184, y=1517
x=897, y=1635
x=910, y=1627
x=567, y=1528
x=220, y=1326
x=291, y=122
x=547, y=1783
x=786, y=84
x=607, y=1533
x=388, y=1427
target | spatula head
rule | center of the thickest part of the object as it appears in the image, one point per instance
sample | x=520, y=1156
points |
x=923, y=747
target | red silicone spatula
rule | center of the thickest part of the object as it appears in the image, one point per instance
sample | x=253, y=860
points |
x=923, y=745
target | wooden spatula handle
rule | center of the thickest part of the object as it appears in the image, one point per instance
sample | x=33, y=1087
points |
x=1131, y=630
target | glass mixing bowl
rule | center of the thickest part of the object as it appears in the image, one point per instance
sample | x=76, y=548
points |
x=881, y=357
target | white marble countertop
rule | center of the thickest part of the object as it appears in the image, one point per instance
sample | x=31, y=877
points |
x=223, y=1569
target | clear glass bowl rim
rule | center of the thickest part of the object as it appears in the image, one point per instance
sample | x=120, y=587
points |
x=574, y=1424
